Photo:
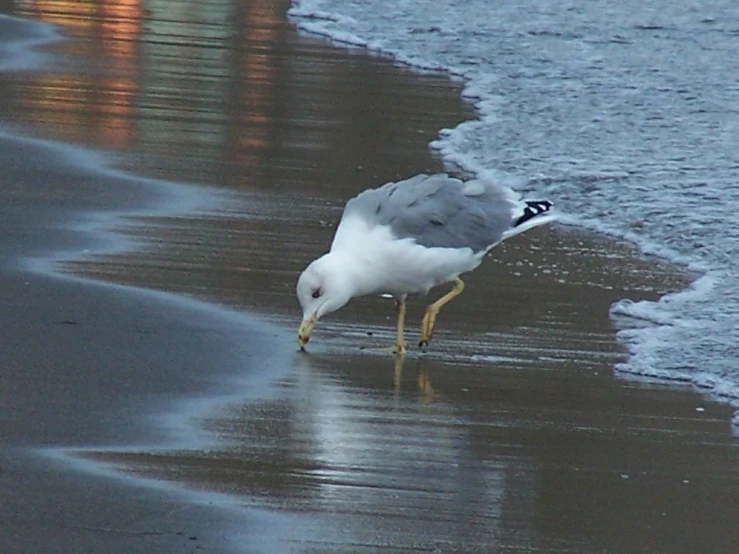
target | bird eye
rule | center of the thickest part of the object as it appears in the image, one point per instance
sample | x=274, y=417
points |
x=316, y=293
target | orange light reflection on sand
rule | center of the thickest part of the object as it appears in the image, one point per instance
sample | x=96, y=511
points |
x=99, y=108
x=257, y=66
x=91, y=108
x=72, y=15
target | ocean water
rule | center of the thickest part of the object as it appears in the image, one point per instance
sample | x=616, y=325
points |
x=624, y=113
x=18, y=42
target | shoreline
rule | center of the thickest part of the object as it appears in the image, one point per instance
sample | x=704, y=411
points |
x=498, y=416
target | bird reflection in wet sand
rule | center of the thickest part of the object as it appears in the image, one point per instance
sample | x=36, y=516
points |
x=407, y=237
x=425, y=389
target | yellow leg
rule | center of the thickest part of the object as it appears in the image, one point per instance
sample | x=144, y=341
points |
x=427, y=324
x=400, y=344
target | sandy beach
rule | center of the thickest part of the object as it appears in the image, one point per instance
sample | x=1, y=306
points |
x=153, y=399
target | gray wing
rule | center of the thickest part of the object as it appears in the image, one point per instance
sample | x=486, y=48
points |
x=440, y=211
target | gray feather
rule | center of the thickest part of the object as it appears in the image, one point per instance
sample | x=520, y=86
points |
x=439, y=211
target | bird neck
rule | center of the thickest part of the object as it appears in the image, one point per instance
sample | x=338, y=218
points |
x=351, y=269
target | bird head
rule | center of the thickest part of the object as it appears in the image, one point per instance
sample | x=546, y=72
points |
x=322, y=288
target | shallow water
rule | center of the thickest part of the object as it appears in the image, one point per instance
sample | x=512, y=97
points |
x=445, y=457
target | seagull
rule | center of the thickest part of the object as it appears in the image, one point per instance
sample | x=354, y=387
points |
x=409, y=236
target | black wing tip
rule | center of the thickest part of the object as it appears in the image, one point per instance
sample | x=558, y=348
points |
x=534, y=208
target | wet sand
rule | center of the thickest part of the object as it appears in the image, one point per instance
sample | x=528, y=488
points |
x=512, y=434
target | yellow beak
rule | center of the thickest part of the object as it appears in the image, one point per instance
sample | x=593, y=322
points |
x=305, y=330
